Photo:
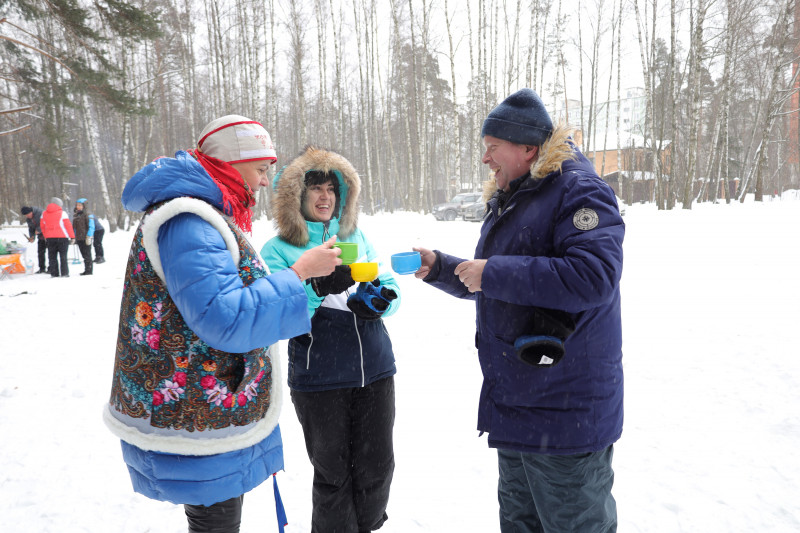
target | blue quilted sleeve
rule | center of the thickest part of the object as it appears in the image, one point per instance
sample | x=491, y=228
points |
x=204, y=283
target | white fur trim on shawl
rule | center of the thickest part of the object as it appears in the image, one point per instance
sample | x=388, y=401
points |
x=154, y=220
x=198, y=446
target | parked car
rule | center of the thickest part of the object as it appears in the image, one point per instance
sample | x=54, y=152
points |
x=474, y=212
x=452, y=209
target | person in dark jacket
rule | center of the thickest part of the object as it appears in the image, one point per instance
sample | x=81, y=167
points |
x=341, y=375
x=33, y=217
x=545, y=280
x=83, y=226
x=97, y=239
x=92, y=233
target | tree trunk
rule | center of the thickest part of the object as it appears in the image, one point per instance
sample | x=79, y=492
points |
x=695, y=65
x=614, y=25
x=455, y=117
x=622, y=182
x=369, y=200
x=93, y=138
x=648, y=89
x=296, y=34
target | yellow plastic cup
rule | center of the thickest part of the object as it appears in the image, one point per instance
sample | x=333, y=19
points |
x=364, y=271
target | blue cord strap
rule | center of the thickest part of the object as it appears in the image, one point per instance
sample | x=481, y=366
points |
x=279, y=510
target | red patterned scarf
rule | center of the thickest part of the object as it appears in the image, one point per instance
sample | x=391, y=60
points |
x=237, y=196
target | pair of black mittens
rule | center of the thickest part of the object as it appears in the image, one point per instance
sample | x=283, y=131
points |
x=337, y=281
x=543, y=347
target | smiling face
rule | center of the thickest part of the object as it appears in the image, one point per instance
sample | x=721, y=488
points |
x=319, y=202
x=509, y=161
x=254, y=173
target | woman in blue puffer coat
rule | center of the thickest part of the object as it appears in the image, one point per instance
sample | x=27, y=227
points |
x=195, y=397
x=341, y=375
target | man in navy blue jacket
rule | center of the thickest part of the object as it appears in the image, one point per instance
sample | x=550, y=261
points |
x=545, y=280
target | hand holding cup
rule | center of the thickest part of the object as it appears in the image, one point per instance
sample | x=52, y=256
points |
x=349, y=252
x=427, y=260
x=318, y=261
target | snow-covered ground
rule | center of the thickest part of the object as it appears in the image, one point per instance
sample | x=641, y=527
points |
x=712, y=367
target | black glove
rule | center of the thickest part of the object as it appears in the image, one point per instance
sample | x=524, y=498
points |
x=370, y=300
x=334, y=283
x=544, y=346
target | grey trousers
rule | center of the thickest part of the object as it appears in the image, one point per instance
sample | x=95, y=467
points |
x=556, y=493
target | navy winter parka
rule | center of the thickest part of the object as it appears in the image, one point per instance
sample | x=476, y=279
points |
x=557, y=244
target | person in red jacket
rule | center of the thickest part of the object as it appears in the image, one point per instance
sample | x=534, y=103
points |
x=57, y=229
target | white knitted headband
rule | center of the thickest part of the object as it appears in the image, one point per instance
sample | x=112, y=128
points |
x=236, y=139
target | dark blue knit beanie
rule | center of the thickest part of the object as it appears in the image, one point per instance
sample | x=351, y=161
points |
x=521, y=119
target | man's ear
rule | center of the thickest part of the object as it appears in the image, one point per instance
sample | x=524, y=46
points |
x=531, y=152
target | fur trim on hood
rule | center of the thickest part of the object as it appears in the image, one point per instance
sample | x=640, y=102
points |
x=289, y=185
x=552, y=154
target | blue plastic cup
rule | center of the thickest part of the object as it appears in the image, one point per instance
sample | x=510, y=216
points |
x=406, y=262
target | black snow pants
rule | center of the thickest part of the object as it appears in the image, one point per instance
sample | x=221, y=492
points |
x=86, y=253
x=348, y=434
x=41, y=252
x=57, y=252
x=97, y=241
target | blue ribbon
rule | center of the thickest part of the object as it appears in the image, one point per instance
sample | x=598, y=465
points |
x=279, y=510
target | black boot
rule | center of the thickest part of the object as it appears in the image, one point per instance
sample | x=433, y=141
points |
x=223, y=516
x=100, y=259
x=86, y=273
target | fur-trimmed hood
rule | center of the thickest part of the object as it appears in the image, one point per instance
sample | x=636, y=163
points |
x=552, y=154
x=289, y=185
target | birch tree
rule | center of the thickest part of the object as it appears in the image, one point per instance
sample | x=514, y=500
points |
x=455, y=117
x=297, y=57
x=364, y=115
x=696, y=52
x=646, y=47
x=737, y=13
x=776, y=97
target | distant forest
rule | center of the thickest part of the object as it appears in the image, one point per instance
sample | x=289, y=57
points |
x=91, y=91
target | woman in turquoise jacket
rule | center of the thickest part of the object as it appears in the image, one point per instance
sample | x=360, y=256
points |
x=341, y=375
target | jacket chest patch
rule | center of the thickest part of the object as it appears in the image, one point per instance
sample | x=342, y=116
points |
x=585, y=219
